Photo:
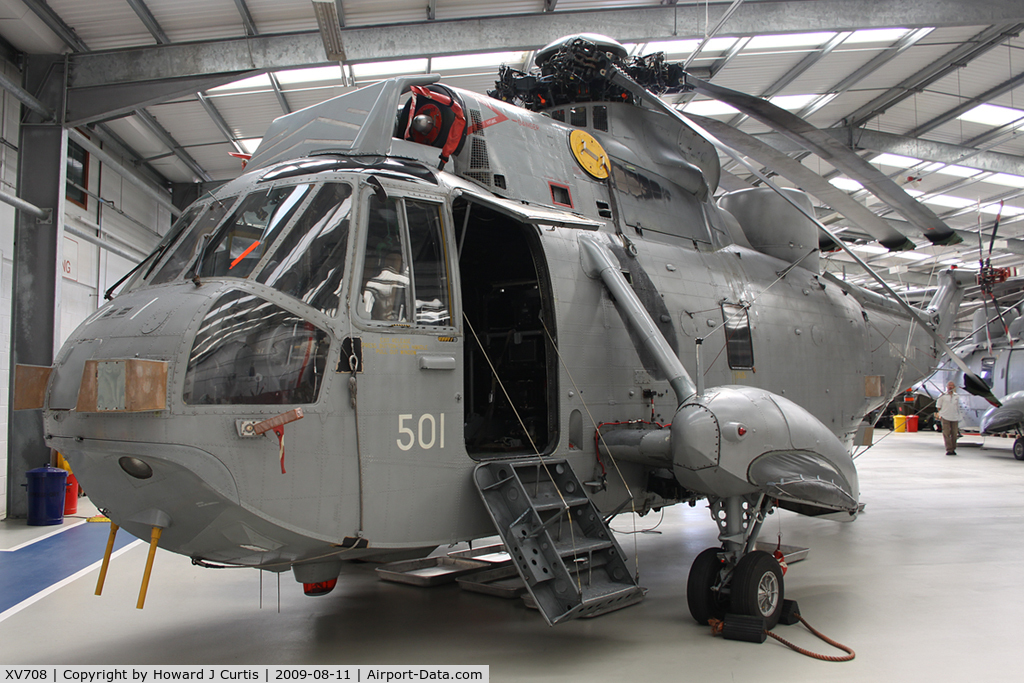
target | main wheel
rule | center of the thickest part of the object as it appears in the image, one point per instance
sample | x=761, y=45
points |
x=1018, y=448
x=757, y=587
x=704, y=602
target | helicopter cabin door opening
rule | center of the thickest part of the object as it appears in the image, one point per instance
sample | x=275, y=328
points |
x=507, y=301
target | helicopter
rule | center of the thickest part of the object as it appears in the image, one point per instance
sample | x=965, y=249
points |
x=423, y=315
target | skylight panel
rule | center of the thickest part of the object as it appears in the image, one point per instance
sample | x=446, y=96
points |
x=1008, y=211
x=477, y=60
x=1006, y=179
x=895, y=160
x=788, y=40
x=957, y=171
x=672, y=47
x=992, y=115
x=949, y=201
x=313, y=75
x=876, y=35
x=912, y=255
x=250, y=144
x=389, y=68
x=847, y=184
x=870, y=249
x=710, y=108
x=792, y=102
x=261, y=82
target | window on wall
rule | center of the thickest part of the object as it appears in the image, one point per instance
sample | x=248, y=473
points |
x=78, y=175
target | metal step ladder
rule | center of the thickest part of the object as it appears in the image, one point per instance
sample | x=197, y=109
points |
x=566, y=554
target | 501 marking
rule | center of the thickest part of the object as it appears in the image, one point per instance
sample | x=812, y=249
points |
x=427, y=434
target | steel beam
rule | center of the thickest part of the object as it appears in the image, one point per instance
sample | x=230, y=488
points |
x=35, y=304
x=247, y=20
x=57, y=25
x=25, y=97
x=150, y=22
x=219, y=121
x=522, y=32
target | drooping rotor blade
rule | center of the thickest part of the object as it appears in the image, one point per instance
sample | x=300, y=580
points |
x=832, y=151
x=995, y=229
x=972, y=383
x=808, y=180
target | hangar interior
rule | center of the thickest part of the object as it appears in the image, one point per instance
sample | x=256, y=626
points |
x=116, y=114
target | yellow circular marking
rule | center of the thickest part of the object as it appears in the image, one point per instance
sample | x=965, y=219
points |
x=589, y=154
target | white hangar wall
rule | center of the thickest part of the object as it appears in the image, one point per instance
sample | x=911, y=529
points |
x=126, y=218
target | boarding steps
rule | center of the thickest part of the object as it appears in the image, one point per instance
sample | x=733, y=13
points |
x=565, y=553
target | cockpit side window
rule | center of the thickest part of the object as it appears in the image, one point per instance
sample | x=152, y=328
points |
x=405, y=273
x=186, y=247
x=172, y=235
x=309, y=262
x=239, y=243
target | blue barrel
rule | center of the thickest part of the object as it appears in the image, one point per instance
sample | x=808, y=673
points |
x=46, y=495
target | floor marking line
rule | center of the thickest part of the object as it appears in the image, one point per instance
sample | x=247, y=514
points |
x=43, y=537
x=60, y=584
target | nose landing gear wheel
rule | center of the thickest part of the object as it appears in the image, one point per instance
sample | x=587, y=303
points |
x=704, y=602
x=1018, y=448
x=757, y=587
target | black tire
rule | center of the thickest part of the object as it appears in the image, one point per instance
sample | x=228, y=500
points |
x=757, y=588
x=1018, y=448
x=705, y=603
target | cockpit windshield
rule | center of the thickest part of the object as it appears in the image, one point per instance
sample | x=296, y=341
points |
x=293, y=238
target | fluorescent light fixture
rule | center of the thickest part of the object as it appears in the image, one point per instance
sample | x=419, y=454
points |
x=261, y=82
x=992, y=115
x=314, y=75
x=250, y=144
x=476, y=60
x=1005, y=179
x=330, y=29
x=709, y=108
x=895, y=160
x=847, y=184
x=788, y=40
x=793, y=102
x=390, y=68
x=876, y=35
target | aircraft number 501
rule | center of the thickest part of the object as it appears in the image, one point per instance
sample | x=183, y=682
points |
x=428, y=432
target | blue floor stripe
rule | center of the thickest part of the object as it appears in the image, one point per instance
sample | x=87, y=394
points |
x=36, y=567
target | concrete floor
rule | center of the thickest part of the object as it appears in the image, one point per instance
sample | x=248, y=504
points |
x=926, y=585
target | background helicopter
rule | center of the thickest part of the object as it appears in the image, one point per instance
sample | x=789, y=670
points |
x=583, y=271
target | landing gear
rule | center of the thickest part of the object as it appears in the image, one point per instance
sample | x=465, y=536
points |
x=1018, y=448
x=757, y=587
x=736, y=578
x=703, y=596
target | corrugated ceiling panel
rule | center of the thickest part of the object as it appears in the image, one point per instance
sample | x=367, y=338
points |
x=980, y=75
x=478, y=83
x=307, y=97
x=217, y=160
x=187, y=122
x=371, y=12
x=248, y=115
x=830, y=70
x=841, y=106
x=103, y=24
x=274, y=16
x=902, y=67
x=754, y=73
x=185, y=20
x=913, y=111
x=457, y=9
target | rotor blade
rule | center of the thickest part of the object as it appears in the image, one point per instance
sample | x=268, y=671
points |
x=972, y=383
x=835, y=153
x=808, y=180
x=995, y=229
x=621, y=79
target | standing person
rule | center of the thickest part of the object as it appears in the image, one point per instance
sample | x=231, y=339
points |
x=948, y=410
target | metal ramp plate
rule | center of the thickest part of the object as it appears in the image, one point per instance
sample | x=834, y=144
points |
x=567, y=556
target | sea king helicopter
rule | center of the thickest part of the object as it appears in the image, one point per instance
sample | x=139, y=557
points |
x=423, y=315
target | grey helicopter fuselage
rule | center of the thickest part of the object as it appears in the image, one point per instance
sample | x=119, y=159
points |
x=394, y=369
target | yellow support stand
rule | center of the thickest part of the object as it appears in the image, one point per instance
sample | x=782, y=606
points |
x=106, y=558
x=154, y=539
